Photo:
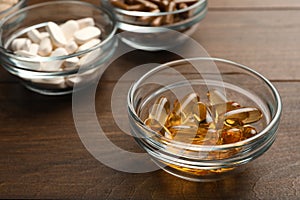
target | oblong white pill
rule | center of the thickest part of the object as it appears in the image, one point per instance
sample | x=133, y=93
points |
x=57, y=36
x=20, y=44
x=26, y=45
x=35, y=65
x=59, y=52
x=45, y=47
x=71, y=81
x=44, y=35
x=69, y=28
x=34, y=35
x=55, y=65
x=71, y=47
x=24, y=53
x=86, y=34
x=71, y=63
x=88, y=45
x=34, y=48
x=85, y=22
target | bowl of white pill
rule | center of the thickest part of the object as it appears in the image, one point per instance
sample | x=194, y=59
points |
x=57, y=44
x=206, y=120
x=9, y=6
x=157, y=25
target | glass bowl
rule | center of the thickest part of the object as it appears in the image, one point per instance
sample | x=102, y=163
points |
x=20, y=4
x=204, y=161
x=138, y=31
x=42, y=74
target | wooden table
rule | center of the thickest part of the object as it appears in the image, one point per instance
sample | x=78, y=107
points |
x=43, y=157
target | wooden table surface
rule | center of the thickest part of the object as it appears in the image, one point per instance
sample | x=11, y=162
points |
x=42, y=155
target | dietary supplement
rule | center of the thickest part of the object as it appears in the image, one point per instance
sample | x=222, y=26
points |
x=215, y=123
x=156, y=6
x=60, y=40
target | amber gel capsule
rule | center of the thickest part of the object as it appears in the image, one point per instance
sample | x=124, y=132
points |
x=245, y=115
x=157, y=127
x=248, y=132
x=182, y=109
x=183, y=133
x=221, y=108
x=231, y=135
x=186, y=104
x=160, y=110
x=199, y=112
x=197, y=115
x=231, y=122
x=173, y=120
x=218, y=102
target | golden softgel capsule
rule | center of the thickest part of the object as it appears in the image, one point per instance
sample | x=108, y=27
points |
x=217, y=122
x=245, y=115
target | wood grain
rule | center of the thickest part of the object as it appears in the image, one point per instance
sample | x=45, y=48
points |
x=265, y=40
x=42, y=155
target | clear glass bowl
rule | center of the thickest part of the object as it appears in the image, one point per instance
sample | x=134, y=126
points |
x=176, y=79
x=28, y=70
x=14, y=8
x=142, y=35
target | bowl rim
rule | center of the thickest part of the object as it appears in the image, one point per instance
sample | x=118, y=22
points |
x=178, y=144
x=152, y=14
x=8, y=53
x=19, y=3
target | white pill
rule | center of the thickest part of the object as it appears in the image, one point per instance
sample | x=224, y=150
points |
x=71, y=63
x=44, y=35
x=24, y=53
x=26, y=45
x=35, y=65
x=59, y=52
x=20, y=44
x=34, y=48
x=71, y=47
x=34, y=35
x=45, y=47
x=90, y=57
x=69, y=28
x=85, y=22
x=71, y=81
x=86, y=34
x=88, y=45
x=55, y=65
x=56, y=34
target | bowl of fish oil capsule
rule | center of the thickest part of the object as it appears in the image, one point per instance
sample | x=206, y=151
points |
x=202, y=119
x=58, y=44
x=154, y=25
x=9, y=6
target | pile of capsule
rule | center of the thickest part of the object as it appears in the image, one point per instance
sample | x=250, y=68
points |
x=6, y=4
x=191, y=121
x=59, y=40
x=156, y=6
